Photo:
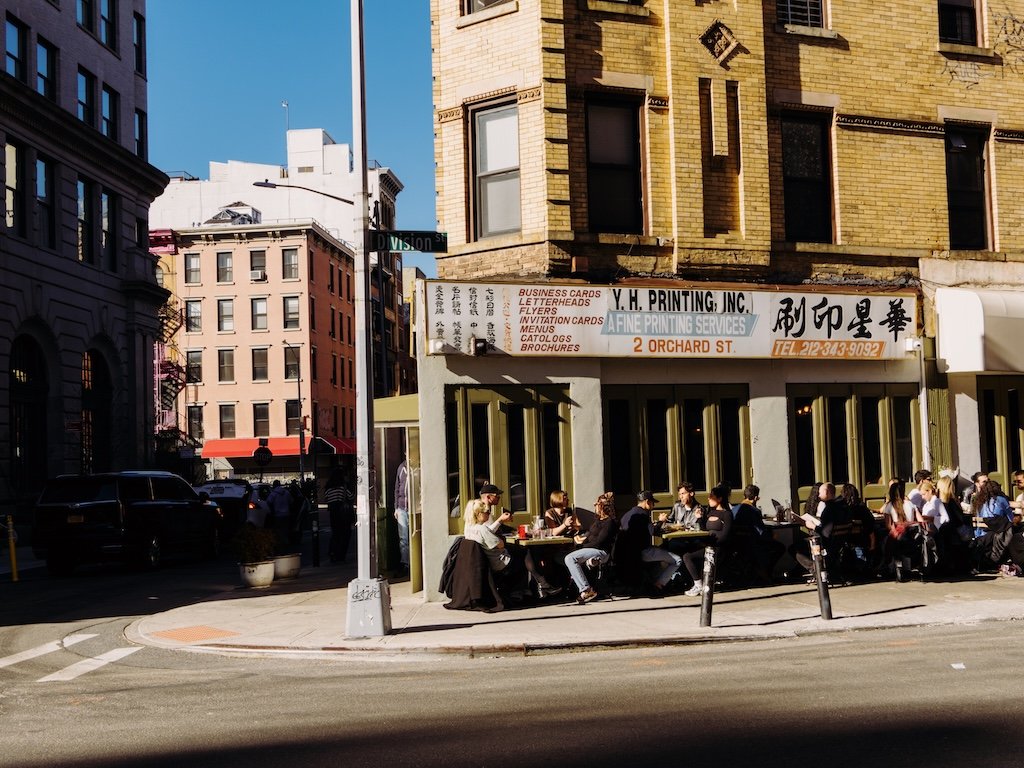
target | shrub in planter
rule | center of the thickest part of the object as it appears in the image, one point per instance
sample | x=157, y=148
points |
x=253, y=545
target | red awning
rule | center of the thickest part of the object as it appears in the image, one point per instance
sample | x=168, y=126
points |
x=243, y=447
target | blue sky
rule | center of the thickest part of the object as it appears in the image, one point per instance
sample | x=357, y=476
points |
x=218, y=72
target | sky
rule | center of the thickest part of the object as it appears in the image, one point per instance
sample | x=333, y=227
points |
x=218, y=72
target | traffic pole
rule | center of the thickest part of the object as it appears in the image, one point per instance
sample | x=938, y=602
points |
x=821, y=577
x=316, y=539
x=12, y=547
x=707, y=595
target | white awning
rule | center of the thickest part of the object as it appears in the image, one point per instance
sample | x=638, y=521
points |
x=980, y=331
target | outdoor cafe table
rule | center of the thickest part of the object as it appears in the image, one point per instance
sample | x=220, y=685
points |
x=539, y=541
x=670, y=535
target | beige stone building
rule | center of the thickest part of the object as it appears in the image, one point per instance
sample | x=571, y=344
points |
x=851, y=170
x=78, y=296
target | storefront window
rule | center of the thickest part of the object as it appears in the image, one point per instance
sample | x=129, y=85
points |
x=1002, y=433
x=657, y=443
x=838, y=437
x=693, y=442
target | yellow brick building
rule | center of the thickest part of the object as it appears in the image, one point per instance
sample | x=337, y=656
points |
x=800, y=145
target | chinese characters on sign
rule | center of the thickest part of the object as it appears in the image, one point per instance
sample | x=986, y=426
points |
x=597, y=321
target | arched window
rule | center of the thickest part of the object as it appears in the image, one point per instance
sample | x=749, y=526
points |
x=97, y=410
x=29, y=389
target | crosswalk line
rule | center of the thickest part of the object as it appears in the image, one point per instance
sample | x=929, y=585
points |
x=88, y=665
x=42, y=650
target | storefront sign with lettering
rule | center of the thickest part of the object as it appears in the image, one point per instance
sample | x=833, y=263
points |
x=631, y=321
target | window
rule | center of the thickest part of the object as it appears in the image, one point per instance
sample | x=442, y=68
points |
x=334, y=369
x=192, y=273
x=290, y=264
x=16, y=59
x=330, y=278
x=225, y=365
x=966, y=185
x=139, y=43
x=614, y=192
x=958, y=22
x=225, y=273
x=86, y=97
x=258, y=261
x=292, y=368
x=694, y=433
x=195, y=422
x=861, y=434
x=472, y=6
x=46, y=69
x=261, y=419
x=14, y=190
x=225, y=314
x=87, y=221
x=293, y=416
x=141, y=135
x=258, y=309
x=227, y=420
x=193, y=315
x=291, y=311
x=46, y=207
x=334, y=326
x=806, y=178
x=260, y=368
x=110, y=104
x=518, y=439
x=194, y=366
x=496, y=142
x=108, y=228
x=804, y=13
x=108, y=23
x=309, y=266
x=312, y=313
x=85, y=13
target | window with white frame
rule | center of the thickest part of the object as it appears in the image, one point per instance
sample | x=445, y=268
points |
x=291, y=311
x=258, y=310
x=192, y=275
x=292, y=368
x=195, y=421
x=472, y=6
x=194, y=366
x=290, y=263
x=496, y=201
x=260, y=367
x=193, y=315
x=261, y=419
x=227, y=420
x=225, y=272
x=225, y=365
x=225, y=314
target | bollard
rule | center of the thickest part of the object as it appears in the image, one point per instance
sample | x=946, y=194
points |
x=12, y=547
x=821, y=577
x=707, y=595
x=316, y=539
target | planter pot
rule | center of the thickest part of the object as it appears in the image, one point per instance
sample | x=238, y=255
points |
x=257, y=574
x=287, y=566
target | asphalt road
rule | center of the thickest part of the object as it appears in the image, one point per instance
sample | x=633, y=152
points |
x=926, y=697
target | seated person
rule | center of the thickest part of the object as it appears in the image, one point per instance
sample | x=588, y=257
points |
x=634, y=546
x=753, y=542
x=592, y=549
x=687, y=512
x=718, y=523
x=857, y=556
x=509, y=562
x=559, y=517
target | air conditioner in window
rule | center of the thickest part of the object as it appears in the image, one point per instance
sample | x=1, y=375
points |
x=257, y=275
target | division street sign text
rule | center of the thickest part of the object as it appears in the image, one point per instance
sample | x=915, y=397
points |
x=408, y=240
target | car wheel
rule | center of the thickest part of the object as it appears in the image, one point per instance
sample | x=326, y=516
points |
x=152, y=553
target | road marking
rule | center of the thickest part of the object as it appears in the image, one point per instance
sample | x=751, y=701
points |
x=42, y=650
x=88, y=665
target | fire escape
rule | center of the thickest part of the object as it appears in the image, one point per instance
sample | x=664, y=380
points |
x=170, y=381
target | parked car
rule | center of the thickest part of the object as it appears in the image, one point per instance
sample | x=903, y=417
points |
x=138, y=516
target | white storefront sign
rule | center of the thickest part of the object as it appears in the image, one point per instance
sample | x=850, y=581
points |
x=655, y=321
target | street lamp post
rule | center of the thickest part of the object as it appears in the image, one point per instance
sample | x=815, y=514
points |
x=369, y=598
x=298, y=392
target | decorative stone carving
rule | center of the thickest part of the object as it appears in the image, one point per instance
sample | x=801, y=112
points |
x=720, y=41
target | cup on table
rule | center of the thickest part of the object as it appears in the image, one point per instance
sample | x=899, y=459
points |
x=524, y=532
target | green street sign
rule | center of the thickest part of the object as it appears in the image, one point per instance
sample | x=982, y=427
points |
x=408, y=240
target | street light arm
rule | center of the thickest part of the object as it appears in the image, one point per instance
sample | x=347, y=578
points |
x=266, y=184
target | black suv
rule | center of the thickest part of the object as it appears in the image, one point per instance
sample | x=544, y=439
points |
x=138, y=516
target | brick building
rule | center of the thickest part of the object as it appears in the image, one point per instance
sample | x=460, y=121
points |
x=78, y=293
x=836, y=173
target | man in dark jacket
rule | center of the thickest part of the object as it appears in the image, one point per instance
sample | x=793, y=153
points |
x=634, y=545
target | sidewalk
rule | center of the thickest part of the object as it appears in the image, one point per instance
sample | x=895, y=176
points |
x=307, y=617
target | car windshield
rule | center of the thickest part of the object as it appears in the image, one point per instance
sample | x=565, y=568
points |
x=79, y=490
